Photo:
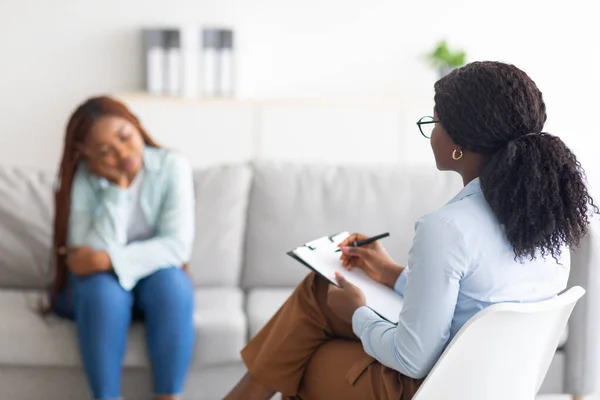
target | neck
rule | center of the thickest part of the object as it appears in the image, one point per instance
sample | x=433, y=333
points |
x=468, y=178
x=470, y=170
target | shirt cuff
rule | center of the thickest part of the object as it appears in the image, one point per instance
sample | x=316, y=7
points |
x=400, y=284
x=119, y=266
x=360, y=318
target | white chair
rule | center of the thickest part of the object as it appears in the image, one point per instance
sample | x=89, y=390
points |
x=502, y=353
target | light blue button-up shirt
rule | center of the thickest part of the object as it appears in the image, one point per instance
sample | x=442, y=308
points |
x=100, y=213
x=460, y=262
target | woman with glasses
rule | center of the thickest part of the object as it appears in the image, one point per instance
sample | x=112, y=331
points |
x=503, y=238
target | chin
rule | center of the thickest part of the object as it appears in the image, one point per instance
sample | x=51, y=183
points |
x=137, y=167
x=440, y=167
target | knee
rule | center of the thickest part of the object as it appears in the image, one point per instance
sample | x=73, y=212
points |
x=169, y=287
x=313, y=283
x=100, y=292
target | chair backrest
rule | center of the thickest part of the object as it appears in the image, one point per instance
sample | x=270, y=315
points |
x=503, y=352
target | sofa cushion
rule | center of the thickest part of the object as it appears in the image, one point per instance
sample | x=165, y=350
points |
x=30, y=340
x=221, y=205
x=221, y=325
x=262, y=304
x=291, y=204
x=26, y=216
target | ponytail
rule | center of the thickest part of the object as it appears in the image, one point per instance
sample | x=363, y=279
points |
x=536, y=188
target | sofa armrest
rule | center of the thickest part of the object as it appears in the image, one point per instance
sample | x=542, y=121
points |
x=582, y=368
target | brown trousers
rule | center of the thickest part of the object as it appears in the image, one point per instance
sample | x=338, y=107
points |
x=306, y=352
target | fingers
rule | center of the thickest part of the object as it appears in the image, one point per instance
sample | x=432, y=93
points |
x=352, y=262
x=352, y=238
x=340, y=280
x=348, y=262
x=331, y=289
x=64, y=250
x=105, y=171
x=359, y=252
x=347, y=241
x=344, y=259
x=354, y=256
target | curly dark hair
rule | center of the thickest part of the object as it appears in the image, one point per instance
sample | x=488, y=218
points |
x=532, y=181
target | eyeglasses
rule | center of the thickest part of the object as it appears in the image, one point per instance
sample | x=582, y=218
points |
x=426, y=125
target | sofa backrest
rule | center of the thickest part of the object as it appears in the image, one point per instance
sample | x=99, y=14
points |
x=291, y=204
x=26, y=217
x=27, y=214
x=247, y=217
x=221, y=207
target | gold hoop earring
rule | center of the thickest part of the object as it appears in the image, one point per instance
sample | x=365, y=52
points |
x=456, y=156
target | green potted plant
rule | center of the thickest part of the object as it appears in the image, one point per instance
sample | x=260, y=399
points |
x=445, y=60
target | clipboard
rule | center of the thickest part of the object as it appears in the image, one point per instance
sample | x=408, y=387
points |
x=319, y=256
x=332, y=238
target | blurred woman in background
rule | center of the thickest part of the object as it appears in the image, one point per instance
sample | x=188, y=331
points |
x=123, y=232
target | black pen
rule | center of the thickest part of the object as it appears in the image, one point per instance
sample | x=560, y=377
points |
x=367, y=241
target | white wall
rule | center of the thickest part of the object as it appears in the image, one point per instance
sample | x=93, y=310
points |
x=55, y=53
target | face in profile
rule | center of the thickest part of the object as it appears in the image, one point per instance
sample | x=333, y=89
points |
x=442, y=147
x=113, y=142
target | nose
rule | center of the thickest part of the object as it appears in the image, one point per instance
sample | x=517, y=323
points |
x=122, y=152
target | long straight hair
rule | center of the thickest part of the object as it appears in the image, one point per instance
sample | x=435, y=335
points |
x=78, y=128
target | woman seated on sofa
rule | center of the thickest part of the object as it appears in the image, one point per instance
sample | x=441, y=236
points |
x=503, y=238
x=123, y=231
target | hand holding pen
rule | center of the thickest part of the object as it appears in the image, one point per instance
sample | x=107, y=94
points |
x=368, y=254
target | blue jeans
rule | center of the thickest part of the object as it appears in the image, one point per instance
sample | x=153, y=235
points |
x=103, y=311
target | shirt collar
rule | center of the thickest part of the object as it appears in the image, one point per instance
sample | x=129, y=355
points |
x=473, y=187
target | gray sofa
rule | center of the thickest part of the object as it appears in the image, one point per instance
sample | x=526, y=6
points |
x=248, y=216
